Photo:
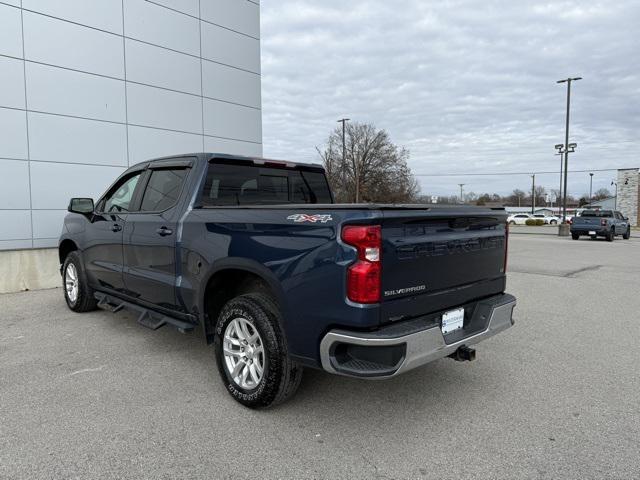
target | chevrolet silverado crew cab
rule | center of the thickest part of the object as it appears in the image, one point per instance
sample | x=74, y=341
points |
x=601, y=223
x=255, y=254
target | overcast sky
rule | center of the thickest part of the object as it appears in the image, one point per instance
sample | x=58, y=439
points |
x=467, y=86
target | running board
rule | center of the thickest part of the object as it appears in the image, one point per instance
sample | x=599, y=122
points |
x=146, y=318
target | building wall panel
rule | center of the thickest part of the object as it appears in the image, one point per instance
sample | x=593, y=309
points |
x=110, y=83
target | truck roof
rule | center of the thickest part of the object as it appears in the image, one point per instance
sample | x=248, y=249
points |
x=207, y=156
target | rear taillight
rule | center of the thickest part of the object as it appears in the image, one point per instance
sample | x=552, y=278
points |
x=506, y=247
x=363, y=277
x=603, y=222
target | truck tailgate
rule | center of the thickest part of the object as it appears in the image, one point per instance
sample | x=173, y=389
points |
x=440, y=258
x=586, y=222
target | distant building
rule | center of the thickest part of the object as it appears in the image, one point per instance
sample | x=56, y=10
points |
x=629, y=194
x=604, y=204
x=538, y=210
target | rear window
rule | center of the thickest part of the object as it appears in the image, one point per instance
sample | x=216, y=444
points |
x=232, y=184
x=597, y=213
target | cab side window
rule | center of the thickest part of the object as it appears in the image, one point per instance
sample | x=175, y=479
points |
x=119, y=200
x=163, y=189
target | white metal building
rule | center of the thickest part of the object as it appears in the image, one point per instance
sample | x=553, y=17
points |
x=90, y=87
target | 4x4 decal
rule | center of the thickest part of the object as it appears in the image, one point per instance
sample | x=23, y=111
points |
x=304, y=218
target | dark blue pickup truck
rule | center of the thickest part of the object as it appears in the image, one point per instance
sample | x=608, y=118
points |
x=256, y=255
x=600, y=223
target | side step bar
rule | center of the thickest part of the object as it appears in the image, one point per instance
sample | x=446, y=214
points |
x=147, y=318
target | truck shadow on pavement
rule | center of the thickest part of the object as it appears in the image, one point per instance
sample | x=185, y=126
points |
x=419, y=392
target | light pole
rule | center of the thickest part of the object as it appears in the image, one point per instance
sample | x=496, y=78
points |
x=565, y=152
x=533, y=194
x=615, y=201
x=566, y=149
x=590, y=187
x=461, y=197
x=344, y=121
x=559, y=198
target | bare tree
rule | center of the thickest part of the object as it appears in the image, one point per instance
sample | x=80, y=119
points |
x=516, y=198
x=373, y=162
x=601, y=194
x=540, y=195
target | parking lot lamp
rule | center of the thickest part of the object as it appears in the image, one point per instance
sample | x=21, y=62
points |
x=559, y=197
x=461, y=197
x=567, y=150
x=590, y=187
x=615, y=199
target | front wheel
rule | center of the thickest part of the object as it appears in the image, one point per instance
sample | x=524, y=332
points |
x=575, y=236
x=554, y=222
x=252, y=354
x=77, y=292
x=627, y=235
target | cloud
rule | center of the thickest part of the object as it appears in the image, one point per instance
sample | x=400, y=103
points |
x=467, y=86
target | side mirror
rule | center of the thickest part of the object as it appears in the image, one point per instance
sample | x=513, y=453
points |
x=81, y=205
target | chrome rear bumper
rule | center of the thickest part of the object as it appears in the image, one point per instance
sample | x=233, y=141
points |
x=385, y=353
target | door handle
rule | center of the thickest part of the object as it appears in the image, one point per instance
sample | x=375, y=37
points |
x=116, y=228
x=164, y=231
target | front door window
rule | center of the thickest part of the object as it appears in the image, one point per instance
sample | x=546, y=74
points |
x=119, y=200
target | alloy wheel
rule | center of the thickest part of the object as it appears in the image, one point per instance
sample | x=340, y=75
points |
x=243, y=353
x=71, y=282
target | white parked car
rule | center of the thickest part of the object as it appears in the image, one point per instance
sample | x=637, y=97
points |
x=518, y=219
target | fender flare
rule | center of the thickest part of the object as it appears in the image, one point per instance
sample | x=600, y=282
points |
x=249, y=266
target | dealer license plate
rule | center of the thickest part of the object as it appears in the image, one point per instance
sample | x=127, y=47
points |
x=452, y=320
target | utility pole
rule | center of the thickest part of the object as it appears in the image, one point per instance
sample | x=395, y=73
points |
x=590, y=188
x=533, y=194
x=567, y=149
x=344, y=121
x=461, y=197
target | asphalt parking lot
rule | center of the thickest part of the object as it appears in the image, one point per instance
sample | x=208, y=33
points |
x=557, y=396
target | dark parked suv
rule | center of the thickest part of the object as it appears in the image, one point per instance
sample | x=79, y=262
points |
x=255, y=254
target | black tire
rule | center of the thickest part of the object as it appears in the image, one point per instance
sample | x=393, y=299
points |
x=281, y=376
x=611, y=236
x=85, y=301
x=575, y=236
x=553, y=222
x=627, y=235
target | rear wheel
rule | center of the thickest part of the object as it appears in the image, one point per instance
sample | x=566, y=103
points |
x=575, y=236
x=252, y=354
x=611, y=235
x=77, y=292
x=553, y=222
x=627, y=235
